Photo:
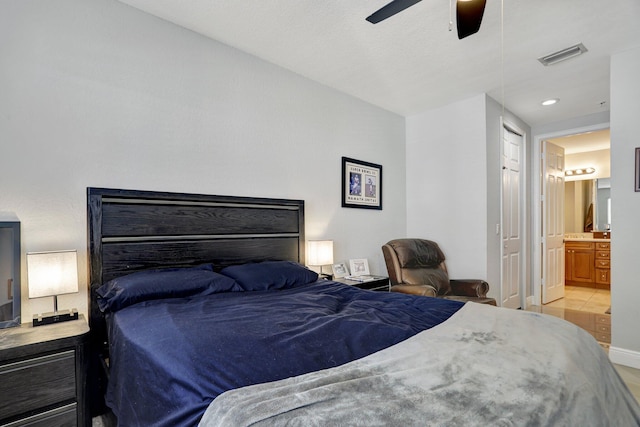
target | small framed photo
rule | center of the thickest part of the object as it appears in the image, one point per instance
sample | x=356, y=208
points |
x=361, y=184
x=359, y=267
x=340, y=270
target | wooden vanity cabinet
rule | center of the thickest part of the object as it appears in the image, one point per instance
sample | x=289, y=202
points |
x=588, y=264
x=603, y=265
x=579, y=264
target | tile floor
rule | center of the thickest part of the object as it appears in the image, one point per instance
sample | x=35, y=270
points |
x=632, y=378
x=581, y=306
x=583, y=299
x=588, y=308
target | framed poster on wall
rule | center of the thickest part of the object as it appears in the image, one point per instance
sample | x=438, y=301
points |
x=638, y=169
x=361, y=184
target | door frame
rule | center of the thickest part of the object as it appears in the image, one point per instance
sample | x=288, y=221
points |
x=536, y=226
x=504, y=123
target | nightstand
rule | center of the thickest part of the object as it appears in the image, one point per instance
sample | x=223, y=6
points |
x=43, y=373
x=379, y=284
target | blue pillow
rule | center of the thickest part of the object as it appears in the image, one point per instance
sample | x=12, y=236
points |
x=267, y=275
x=146, y=285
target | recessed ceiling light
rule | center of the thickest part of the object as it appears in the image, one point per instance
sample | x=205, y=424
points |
x=550, y=101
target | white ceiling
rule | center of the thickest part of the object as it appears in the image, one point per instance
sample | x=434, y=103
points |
x=584, y=142
x=411, y=62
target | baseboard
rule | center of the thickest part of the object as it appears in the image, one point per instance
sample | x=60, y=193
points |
x=622, y=356
x=529, y=301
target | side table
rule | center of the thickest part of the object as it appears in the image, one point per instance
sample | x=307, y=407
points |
x=43, y=372
x=380, y=283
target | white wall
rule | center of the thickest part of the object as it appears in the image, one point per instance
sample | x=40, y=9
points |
x=625, y=209
x=95, y=93
x=447, y=185
x=566, y=127
x=453, y=185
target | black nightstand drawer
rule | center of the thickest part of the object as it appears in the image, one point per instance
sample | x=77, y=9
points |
x=377, y=285
x=30, y=384
x=65, y=416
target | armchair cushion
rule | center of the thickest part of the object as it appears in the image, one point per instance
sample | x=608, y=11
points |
x=422, y=290
x=417, y=253
x=434, y=277
x=469, y=287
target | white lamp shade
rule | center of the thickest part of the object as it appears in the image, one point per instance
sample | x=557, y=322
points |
x=320, y=252
x=52, y=273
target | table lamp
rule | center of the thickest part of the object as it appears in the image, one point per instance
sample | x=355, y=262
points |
x=52, y=274
x=320, y=253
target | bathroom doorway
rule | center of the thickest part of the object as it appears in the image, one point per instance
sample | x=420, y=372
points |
x=587, y=154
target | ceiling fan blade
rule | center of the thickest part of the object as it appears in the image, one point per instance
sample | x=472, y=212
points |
x=469, y=16
x=390, y=9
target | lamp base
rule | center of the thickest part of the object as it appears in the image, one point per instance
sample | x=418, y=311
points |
x=325, y=275
x=55, y=317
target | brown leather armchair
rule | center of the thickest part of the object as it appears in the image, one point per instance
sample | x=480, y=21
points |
x=416, y=266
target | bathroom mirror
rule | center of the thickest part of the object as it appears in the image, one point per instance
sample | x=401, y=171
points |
x=9, y=270
x=603, y=204
x=587, y=205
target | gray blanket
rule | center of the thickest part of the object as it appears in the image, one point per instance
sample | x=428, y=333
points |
x=485, y=366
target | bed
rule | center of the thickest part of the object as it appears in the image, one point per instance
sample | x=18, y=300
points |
x=202, y=313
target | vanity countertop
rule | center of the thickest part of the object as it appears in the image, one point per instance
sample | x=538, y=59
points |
x=595, y=236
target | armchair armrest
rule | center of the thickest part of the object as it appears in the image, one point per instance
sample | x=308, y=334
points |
x=422, y=290
x=469, y=288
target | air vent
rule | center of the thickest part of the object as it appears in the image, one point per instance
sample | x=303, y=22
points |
x=563, y=55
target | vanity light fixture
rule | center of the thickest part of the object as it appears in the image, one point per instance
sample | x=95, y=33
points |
x=581, y=171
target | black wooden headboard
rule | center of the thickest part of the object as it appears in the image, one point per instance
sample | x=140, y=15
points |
x=136, y=230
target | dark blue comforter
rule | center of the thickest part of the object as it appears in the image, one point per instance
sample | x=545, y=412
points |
x=170, y=358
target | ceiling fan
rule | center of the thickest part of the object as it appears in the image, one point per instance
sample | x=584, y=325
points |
x=468, y=14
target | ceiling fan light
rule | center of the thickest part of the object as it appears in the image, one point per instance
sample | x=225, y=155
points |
x=469, y=16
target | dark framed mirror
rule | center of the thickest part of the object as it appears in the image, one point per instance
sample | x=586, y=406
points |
x=9, y=270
